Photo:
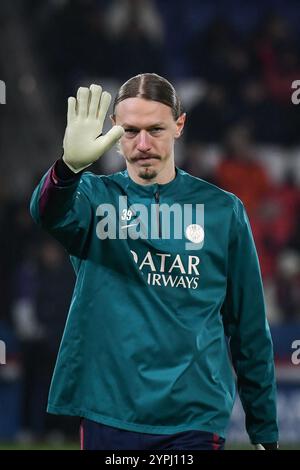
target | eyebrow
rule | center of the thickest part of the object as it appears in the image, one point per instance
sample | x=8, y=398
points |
x=131, y=126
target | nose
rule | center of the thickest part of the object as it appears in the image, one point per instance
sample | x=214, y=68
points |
x=143, y=142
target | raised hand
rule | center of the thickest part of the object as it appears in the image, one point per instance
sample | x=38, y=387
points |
x=83, y=141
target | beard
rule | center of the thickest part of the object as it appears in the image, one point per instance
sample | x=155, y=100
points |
x=146, y=171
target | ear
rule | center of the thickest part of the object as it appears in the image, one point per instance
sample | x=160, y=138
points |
x=180, y=125
x=112, y=117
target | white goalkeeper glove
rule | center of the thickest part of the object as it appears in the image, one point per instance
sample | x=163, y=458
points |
x=83, y=143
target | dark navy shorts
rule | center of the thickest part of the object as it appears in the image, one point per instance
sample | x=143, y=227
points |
x=96, y=436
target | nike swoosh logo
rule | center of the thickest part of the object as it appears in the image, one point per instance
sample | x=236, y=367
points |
x=129, y=225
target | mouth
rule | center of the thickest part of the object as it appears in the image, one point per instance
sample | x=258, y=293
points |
x=147, y=160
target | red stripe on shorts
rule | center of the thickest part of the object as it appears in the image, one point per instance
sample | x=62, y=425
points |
x=81, y=436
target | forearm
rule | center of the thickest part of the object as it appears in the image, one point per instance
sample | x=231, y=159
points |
x=54, y=195
x=257, y=390
x=248, y=331
x=56, y=203
x=60, y=209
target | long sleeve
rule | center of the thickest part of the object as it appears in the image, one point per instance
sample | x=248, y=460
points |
x=60, y=204
x=249, y=336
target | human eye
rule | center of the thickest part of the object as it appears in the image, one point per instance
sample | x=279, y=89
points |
x=156, y=130
x=131, y=131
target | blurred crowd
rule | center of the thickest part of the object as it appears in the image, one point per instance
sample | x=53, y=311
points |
x=235, y=65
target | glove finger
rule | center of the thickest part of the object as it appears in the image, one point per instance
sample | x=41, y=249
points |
x=103, y=108
x=71, y=109
x=82, y=101
x=106, y=141
x=95, y=92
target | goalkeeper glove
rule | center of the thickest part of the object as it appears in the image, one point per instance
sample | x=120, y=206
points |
x=83, y=143
x=266, y=446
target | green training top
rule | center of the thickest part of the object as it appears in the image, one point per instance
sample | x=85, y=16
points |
x=159, y=321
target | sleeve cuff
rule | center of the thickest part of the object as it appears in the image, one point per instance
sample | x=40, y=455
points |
x=61, y=174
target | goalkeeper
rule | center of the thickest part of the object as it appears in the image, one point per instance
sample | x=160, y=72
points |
x=156, y=322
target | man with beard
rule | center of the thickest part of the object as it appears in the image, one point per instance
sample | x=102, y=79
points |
x=149, y=365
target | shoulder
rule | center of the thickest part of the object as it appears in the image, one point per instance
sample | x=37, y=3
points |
x=216, y=199
x=92, y=181
x=210, y=191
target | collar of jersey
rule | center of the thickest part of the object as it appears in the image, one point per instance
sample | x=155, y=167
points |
x=149, y=189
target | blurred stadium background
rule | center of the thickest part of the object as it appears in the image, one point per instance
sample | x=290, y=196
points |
x=233, y=63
